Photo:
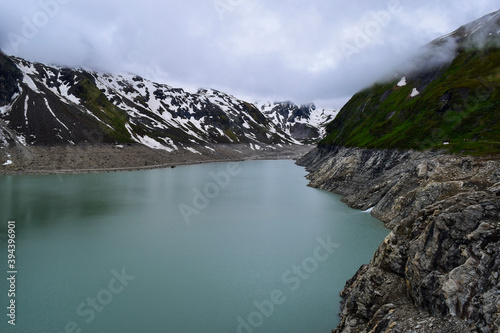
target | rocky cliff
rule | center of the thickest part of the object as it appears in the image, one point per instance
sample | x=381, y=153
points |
x=438, y=270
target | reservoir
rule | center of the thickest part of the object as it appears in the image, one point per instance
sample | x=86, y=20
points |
x=224, y=247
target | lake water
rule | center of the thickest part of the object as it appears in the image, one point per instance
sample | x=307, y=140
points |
x=225, y=247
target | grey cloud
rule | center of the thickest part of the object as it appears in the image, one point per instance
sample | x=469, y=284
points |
x=298, y=50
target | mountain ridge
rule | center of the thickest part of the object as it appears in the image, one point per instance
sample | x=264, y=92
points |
x=448, y=99
x=51, y=105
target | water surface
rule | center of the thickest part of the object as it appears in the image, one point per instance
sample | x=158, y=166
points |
x=243, y=247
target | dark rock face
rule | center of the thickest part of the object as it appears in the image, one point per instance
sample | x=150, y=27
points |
x=10, y=76
x=438, y=270
x=301, y=131
x=304, y=123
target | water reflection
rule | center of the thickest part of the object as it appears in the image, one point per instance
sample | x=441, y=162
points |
x=51, y=200
x=73, y=230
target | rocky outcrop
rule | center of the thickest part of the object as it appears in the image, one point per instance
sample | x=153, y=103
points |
x=305, y=123
x=438, y=270
x=9, y=75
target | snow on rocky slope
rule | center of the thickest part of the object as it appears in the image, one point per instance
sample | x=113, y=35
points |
x=303, y=123
x=49, y=105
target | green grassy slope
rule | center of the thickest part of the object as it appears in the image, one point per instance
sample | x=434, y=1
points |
x=457, y=109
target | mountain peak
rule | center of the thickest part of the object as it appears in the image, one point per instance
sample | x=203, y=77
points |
x=50, y=105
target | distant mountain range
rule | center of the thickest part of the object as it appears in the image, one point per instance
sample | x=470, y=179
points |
x=49, y=105
x=304, y=123
x=447, y=98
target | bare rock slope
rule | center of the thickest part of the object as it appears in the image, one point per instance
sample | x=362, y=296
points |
x=438, y=270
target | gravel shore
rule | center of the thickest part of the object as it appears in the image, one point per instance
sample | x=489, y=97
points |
x=106, y=158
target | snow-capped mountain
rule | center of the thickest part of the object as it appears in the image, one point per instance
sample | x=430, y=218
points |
x=305, y=123
x=48, y=105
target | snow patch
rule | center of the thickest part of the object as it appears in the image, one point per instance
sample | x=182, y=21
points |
x=26, y=109
x=21, y=140
x=415, y=92
x=9, y=162
x=478, y=27
x=255, y=147
x=402, y=83
x=99, y=120
x=30, y=83
x=65, y=94
x=130, y=130
x=6, y=108
x=152, y=143
x=193, y=150
x=50, y=110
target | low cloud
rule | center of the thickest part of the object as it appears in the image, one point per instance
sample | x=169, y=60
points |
x=294, y=50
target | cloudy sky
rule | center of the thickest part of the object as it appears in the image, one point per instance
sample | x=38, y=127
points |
x=319, y=51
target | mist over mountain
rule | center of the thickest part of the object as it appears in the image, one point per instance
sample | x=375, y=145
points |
x=259, y=50
x=420, y=151
x=446, y=97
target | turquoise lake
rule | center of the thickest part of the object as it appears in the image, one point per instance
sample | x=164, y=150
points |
x=224, y=247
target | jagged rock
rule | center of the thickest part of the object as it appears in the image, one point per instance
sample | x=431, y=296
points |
x=438, y=270
x=396, y=182
x=305, y=123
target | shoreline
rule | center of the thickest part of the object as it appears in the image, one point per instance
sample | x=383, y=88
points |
x=53, y=160
x=443, y=212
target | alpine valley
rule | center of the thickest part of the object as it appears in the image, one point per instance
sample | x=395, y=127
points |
x=55, y=118
x=420, y=150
